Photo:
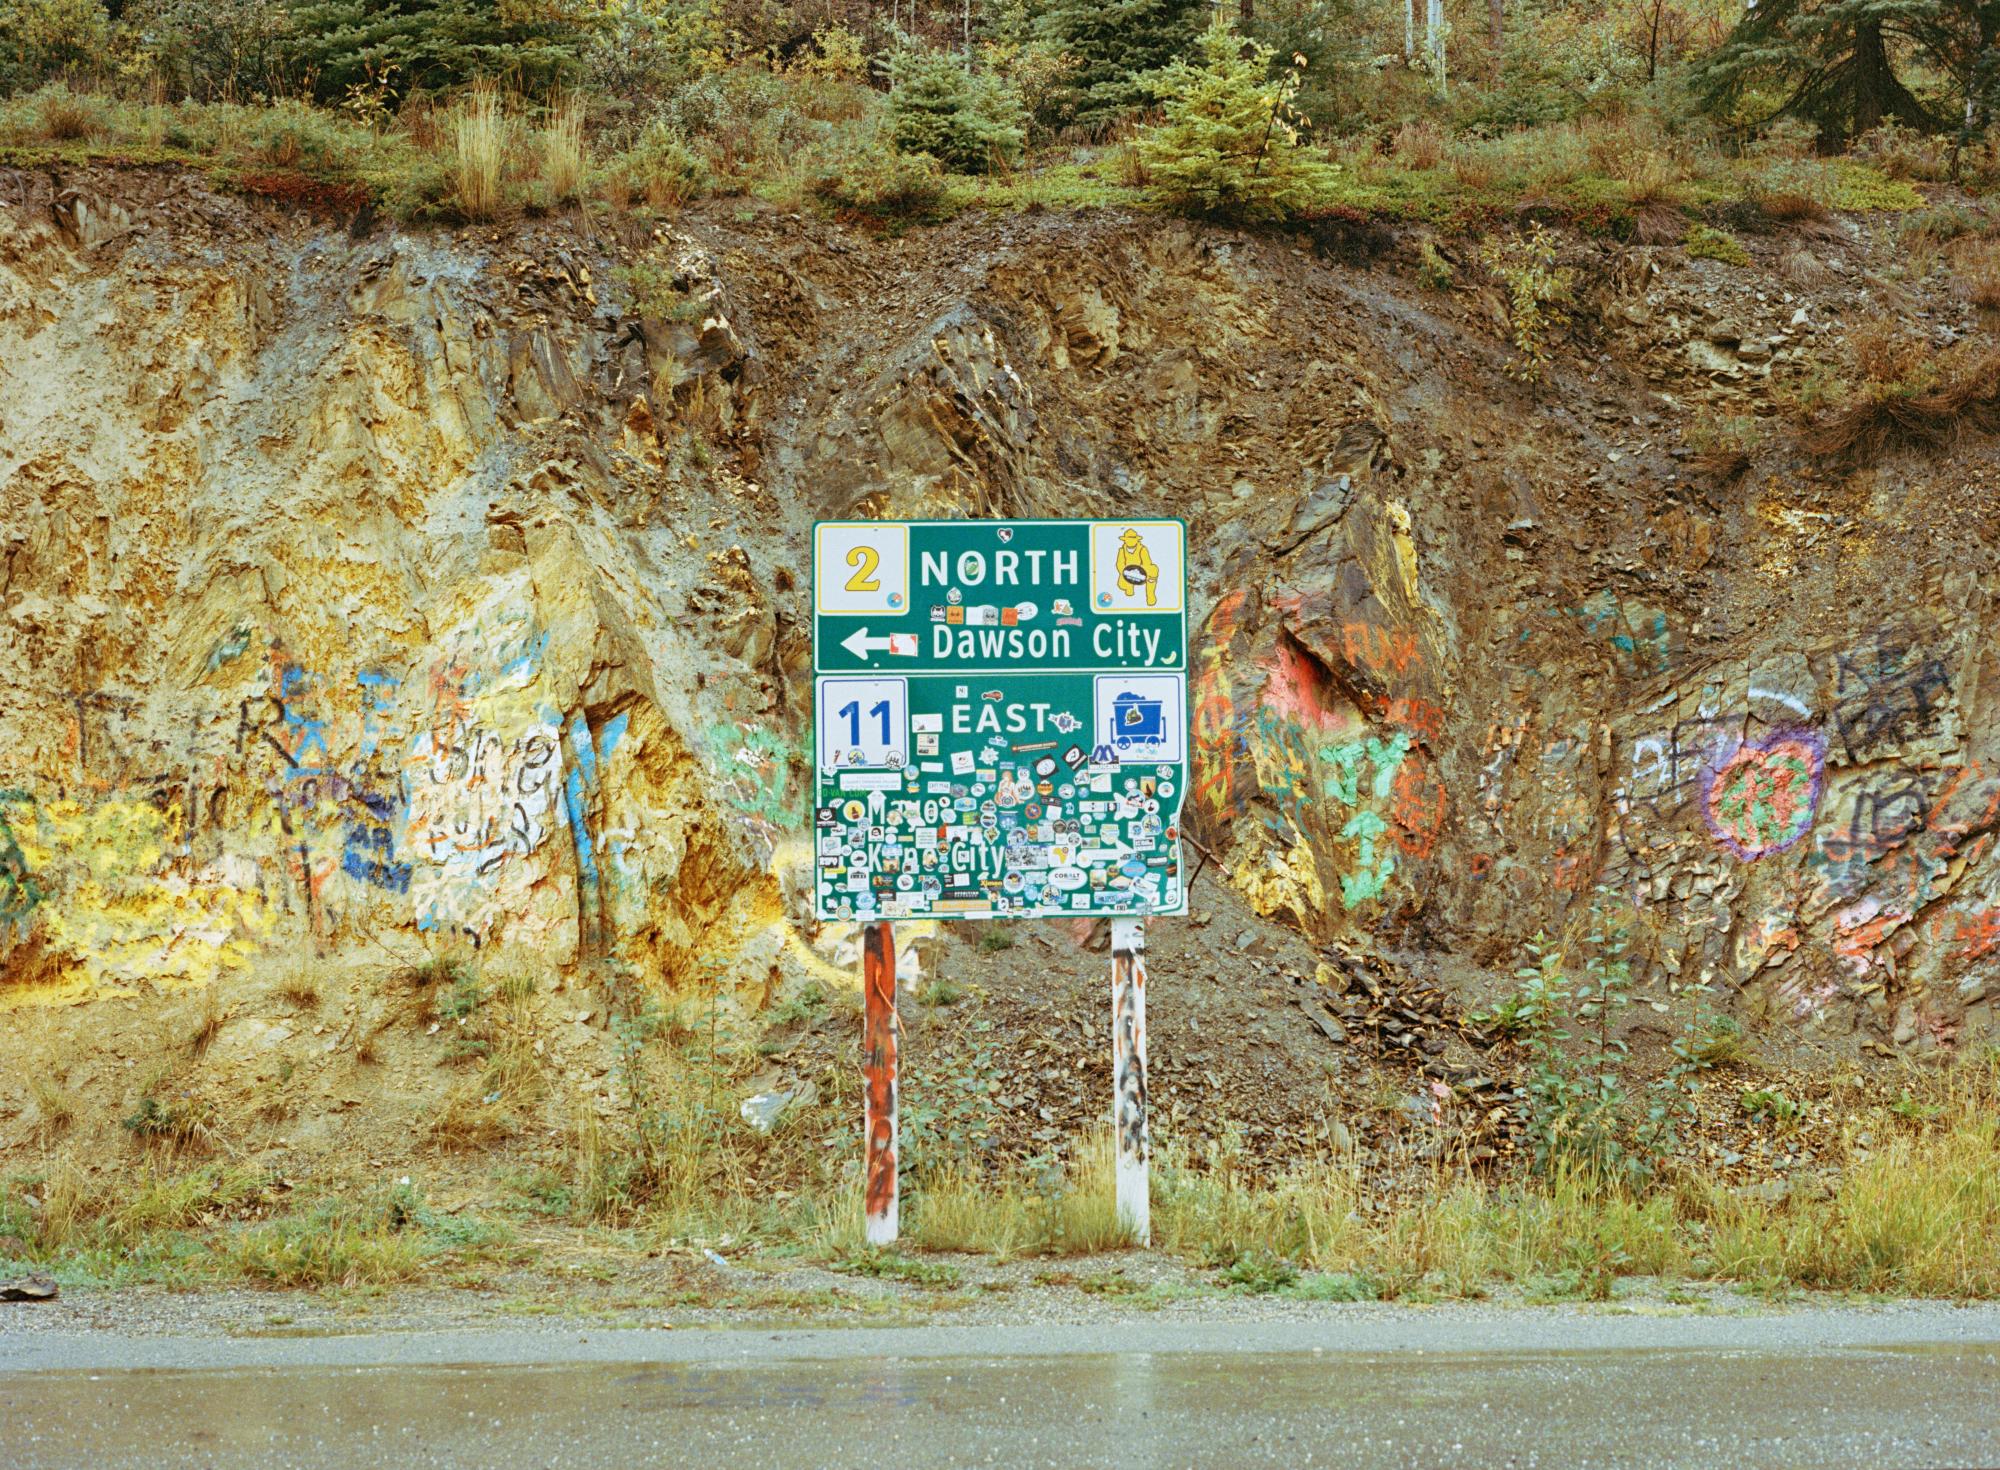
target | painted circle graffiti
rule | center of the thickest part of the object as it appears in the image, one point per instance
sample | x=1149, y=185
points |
x=1760, y=799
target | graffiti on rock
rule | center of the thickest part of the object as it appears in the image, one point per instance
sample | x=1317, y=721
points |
x=1885, y=693
x=1760, y=798
x=19, y=893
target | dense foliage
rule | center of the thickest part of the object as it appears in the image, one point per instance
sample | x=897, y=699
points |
x=1261, y=111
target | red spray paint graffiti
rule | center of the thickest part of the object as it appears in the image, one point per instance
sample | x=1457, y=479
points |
x=878, y=1070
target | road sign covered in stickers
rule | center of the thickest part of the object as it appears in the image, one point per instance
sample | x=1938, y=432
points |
x=999, y=718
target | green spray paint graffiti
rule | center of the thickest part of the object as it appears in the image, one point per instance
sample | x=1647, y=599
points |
x=19, y=892
x=1377, y=861
x=757, y=782
x=1358, y=888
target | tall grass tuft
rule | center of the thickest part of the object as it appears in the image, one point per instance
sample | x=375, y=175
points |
x=562, y=152
x=480, y=133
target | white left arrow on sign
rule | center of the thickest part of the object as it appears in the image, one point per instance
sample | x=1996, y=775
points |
x=897, y=645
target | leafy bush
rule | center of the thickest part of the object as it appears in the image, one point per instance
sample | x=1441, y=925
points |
x=1230, y=146
x=208, y=49
x=661, y=167
x=1538, y=293
x=968, y=122
x=41, y=40
x=1582, y=1114
x=640, y=52
x=888, y=187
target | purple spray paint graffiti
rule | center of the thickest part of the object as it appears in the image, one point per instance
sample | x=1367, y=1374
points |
x=1760, y=797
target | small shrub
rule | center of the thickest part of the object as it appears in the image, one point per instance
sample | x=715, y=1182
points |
x=66, y=117
x=1767, y=1105
x=1793, y=191
x=1538, y=295
x=1705, y=242
x=891, y=188
x=1718, y=1041
x=1904, y=153
x=941, y=992
x=1433, y=269
x=1259, y=1274
x=1722, y=448
x=464, y=996
x=1420, y=145
x=1941, y=224
x=662, y=168
x=1977, y=270
x=995, y=939
x=300, y=986
x=56, y=1107
x=177, y=1123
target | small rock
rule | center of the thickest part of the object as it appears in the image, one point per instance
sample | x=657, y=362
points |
x=29, y=1289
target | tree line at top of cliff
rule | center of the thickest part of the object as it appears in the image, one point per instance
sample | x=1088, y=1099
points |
x=1446, y=112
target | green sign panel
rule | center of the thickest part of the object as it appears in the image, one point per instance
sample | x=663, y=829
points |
x=1000, y=718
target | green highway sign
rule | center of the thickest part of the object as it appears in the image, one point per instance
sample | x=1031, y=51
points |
x=962, y=597
x=999, y=718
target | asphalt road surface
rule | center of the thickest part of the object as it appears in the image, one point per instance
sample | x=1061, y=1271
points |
x=1906, y=1386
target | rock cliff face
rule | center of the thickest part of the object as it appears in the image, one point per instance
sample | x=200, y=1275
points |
x=379, y=592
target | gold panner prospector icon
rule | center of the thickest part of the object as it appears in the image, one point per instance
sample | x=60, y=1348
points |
x=1135, y=567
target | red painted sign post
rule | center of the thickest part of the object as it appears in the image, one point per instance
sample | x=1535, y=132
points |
x=878, y=1069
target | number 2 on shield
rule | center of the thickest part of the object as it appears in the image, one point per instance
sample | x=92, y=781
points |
x=851, y=712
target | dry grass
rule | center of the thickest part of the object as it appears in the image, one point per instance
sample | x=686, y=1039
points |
x=68, y=118
x=481, y=134
x=1031, y=1211
x=1908, y=400
x=1976, y=266
x=563, y=161
x=299, y=986
x=471, y=1117
x=1420, y=145
x=54, y=1104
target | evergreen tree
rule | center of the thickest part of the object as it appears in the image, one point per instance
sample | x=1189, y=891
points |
x=1112, y=43
x=1837, y=61
x=968, y=122
x=1230, y=145
x=432, y=44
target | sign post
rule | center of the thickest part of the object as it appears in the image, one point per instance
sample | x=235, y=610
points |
x=878, y=1071
x=1000, y=732
x=1128, y=1076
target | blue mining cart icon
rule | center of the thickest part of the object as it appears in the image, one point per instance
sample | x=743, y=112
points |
x=1137, y=721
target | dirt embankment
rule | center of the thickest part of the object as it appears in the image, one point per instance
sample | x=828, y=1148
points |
x=370, y=598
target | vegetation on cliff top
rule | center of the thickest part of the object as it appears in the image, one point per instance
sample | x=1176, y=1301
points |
x=1632, y=120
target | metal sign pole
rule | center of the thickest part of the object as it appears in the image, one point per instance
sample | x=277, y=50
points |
x=1128, y=1075
x=878, y=1070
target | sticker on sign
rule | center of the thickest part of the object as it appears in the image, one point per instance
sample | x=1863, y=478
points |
x=1000, y=718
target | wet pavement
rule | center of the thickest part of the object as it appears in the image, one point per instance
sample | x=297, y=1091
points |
x=1838, y=1390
